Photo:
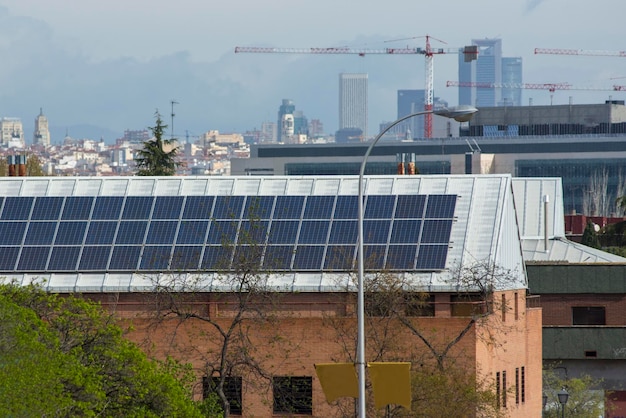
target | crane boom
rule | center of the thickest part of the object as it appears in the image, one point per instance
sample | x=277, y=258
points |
x=533, y=86
x=597, y=53
x=470, y=52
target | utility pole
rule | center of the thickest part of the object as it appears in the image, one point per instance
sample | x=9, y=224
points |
x=173, y=102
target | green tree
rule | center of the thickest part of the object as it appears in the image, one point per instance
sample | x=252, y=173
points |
x=158, y=155
x=590, y=236
x=33, y=166
x=66, y=357
x=586, y=398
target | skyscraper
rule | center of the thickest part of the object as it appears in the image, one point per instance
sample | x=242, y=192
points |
x=412, y=101
x=490, y=67
x=511, y=74
x=41, y=134
x=353, y=101
x=286, y=108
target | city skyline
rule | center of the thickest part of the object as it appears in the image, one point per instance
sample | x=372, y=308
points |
x=85, y=74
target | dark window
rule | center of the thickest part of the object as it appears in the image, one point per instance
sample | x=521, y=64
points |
x=504, y=394
x=419, y=304
x=523, y=384
x=516, y=385
x=293, y=395
x=498, y=389
x=232, y=390
x=588, y=315
x=467, y=305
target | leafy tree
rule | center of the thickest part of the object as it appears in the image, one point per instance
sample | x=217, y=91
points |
x=158, y=155
x=590, y=236
x=586, y=398
x=33, y=166
x=66, y=357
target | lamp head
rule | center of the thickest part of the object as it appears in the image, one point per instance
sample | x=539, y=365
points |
x=461, y=113
x=563, y=396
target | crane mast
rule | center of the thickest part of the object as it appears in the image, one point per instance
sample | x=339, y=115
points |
x=428, y=52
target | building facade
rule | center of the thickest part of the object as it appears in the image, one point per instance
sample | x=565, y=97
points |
x=41, y=134
x=286, y=108
x=353, y=101
x=123, y=240
x=12, y=132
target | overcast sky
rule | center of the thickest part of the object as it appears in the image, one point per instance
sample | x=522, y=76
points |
x=111, y=64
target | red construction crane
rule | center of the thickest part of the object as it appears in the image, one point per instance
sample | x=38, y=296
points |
x=470, y=52
x=598, y=53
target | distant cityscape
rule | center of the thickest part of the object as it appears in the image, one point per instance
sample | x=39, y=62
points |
x=211, y=151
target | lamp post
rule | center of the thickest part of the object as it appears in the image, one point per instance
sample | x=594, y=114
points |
x=563, y=397
x=544, y=402
x=458, y=113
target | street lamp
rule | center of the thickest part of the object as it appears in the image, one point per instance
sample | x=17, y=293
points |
x=458, y=113
x=544, y=400
x=563, y=397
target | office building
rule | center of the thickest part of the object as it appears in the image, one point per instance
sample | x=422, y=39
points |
x=490, y=67
x=413, y=101
x=583, y=144
x=41, y=134
x=353, y=101
x=285, y=115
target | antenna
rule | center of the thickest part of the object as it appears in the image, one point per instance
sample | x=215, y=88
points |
x=173, y=102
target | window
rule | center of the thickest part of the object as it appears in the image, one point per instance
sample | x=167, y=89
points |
x=523, y=384
x=517, y=385
x=232, y=390
x=504, y=389
x=503, y=307
x=293, y=395
x=498, y=389
x=468, y=305
x=588, y=315
x=516, y=306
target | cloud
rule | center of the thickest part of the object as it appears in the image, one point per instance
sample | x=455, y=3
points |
x=533, y=4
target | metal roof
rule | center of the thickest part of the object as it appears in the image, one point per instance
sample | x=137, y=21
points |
x=484, y=227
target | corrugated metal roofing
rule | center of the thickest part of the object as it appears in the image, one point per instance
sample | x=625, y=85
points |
x=529, y=194
x=484, y=227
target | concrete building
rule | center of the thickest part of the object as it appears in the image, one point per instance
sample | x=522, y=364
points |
x=353, y=101
x=41, y=134
x=117, y=239
x=286, y=108
x=571, y=141
x=582, y=292
x=12, y=132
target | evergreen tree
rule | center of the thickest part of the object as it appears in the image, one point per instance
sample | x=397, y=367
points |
x=158, y=155
x=590, y=236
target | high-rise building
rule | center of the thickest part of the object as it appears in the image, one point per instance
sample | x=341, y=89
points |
x=490, y=67
x=12, y=132
x=41, y=134
x=413, y=101
x=353, y=101
x=511, y=74
x=286, y=108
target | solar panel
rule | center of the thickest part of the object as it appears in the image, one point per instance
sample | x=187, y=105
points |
x=217, y=233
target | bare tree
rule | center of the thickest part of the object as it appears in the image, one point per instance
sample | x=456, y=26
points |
x=233, y=310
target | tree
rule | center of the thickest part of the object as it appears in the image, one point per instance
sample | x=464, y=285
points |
x=590, y=236
x=158, y=155
x=239, y=324
x=395, y=308
x=66, y=357
x=33, y=166
x=586, y=398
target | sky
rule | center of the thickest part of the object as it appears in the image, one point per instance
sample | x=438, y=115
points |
x=99, y=68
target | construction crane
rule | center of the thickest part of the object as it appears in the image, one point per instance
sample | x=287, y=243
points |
x=471, y=53
x=592, y=52
x=551, y=87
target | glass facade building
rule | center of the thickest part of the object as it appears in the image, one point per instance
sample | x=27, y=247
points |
x=353, y=101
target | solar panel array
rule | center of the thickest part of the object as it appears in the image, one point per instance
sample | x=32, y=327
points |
x=206, y=233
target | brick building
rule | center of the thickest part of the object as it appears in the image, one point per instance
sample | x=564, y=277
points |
x=116, y=239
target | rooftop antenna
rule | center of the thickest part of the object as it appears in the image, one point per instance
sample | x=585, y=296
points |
x=173, y=102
